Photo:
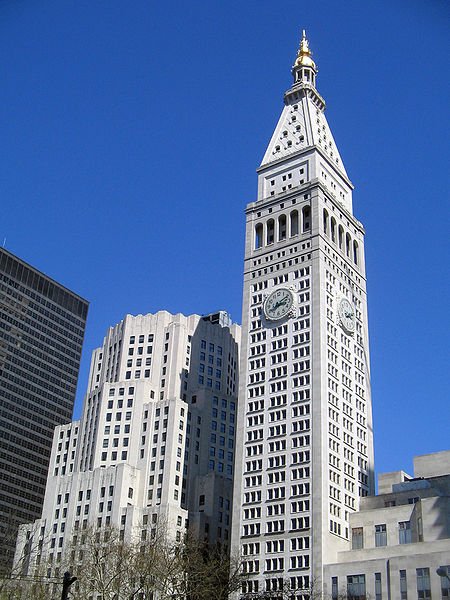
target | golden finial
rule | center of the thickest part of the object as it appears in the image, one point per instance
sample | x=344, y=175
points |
x=304, y=54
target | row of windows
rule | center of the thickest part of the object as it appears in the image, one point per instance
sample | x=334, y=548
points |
x=45, y=287
x=356, y=585
x=336, y=233
x=285, y=226
x=141, y=338
x=203, y=346
x=278, y=584
x=404, y=534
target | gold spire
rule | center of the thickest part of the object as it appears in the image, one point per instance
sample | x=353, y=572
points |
x=304, y=54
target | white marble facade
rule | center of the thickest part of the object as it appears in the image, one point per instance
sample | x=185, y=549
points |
x=156, y=439
x=304, y=440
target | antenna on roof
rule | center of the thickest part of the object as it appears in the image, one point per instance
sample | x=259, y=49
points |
x=4, y=242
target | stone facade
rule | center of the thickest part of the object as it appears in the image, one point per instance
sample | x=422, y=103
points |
x=304, y=447
x=155, y=444
x=400, y=538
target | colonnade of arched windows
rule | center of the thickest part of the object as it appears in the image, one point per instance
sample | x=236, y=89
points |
x=282, y=227
x=336, y=234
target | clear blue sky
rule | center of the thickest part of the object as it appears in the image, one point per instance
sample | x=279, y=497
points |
x=130, y=132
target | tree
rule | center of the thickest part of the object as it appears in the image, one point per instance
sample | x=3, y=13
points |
x=23, y=580
x=109, y=568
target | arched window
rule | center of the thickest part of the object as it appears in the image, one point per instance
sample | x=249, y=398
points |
x=281, y=227
x=270, y=231
x=341, y=237
x=258, y=236
x=325, y=222
x=306, y=218
x=294, y=222
x=333, y=229
x=348, y=243
x=355, y=252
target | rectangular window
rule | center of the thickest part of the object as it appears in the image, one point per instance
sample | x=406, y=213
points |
x=403, y=585
x=357, y=538
x=378, y=593
x=380, y=535
x=334, y=588
x=423, y=584
x=404, y=532
x=356, y=587
x=444, y=573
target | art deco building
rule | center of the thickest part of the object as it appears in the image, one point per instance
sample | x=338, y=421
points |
x=156, y=441
x=41, y=333
x=304, y=439
x=399, y=545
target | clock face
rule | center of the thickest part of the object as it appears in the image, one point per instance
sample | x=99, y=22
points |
x=278, y=304
x=346, y=314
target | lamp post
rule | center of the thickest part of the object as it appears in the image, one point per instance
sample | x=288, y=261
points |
x=442, y=572
x=67, y=582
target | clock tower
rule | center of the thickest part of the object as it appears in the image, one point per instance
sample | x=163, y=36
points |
x=304, y=447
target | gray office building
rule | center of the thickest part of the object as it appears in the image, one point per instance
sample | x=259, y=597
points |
x=41, y=334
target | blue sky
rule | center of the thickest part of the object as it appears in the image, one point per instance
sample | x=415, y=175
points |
x=130, y=133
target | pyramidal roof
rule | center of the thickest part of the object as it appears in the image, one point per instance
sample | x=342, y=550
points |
x=302, y=123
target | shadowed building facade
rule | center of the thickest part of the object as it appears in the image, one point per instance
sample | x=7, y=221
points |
x=41, y=334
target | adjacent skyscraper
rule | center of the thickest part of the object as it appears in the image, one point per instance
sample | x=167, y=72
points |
x=304, y=433
x=155, y=444
x=41, y=333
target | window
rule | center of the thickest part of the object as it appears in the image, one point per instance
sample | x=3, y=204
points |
x=444, y=573
x=423, y=583
x=380, y=535
x=294, y=223
x=355, y=252
x=334, y=588
x=356, y=587
x=325, y=225
x=404, y=532
x=306, y=218
x=282, y=227
x=403, y=585
x=357, y=538
x=258, y=236
x=333, y=229
x=270, y=231
x=378, y=593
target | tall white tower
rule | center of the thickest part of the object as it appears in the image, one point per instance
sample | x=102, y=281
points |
x=304, y=439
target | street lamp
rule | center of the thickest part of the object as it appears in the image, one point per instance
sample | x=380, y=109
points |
x=67, y=582
x=443, y=573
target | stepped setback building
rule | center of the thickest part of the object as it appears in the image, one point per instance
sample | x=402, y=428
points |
x=42, y=327
x=304, y=440
x=156, y=441
x=400, y=539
